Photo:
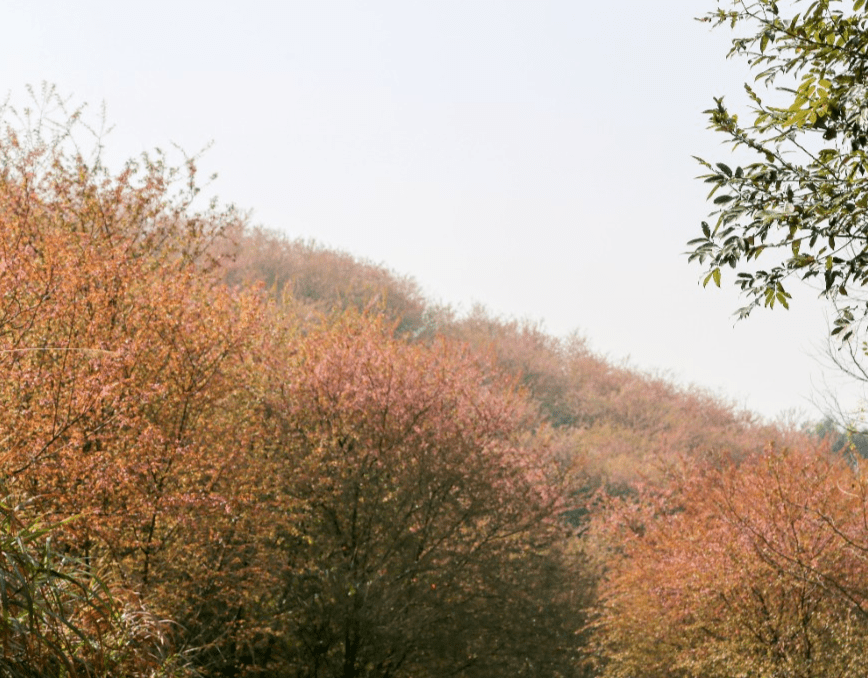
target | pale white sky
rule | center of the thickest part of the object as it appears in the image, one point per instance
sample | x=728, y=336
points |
x=533, y=155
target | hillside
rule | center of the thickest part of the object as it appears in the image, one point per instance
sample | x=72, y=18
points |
x=225, y=453
x=624, y=424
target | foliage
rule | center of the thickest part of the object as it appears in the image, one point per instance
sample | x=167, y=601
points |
x=423, y=538
x=315, y=476
x=751, y=569
x=119, y=348
x=803, y=200
x=624, y=425
x=324, y=279
x=58, y=619
x=849, y=443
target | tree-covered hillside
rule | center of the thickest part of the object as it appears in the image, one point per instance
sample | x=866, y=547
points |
x=225, y=453
x=625, y=424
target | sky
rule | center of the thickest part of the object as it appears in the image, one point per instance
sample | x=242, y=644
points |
x=533, y=156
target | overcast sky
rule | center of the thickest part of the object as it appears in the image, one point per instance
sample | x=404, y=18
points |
x=533, y=156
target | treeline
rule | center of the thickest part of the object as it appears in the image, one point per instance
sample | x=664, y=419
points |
x=225, y=453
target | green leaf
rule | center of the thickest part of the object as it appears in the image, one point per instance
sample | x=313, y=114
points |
x=797, y=190
x=713, y=275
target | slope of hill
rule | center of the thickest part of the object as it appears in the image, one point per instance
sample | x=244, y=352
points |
x=306, y=469
x=322, y=279
x=624, y=425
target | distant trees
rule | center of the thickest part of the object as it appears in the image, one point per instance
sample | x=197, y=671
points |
x=623, y=424
x=323, y=279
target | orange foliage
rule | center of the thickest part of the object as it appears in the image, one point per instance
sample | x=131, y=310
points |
x=750, y=569
x=121, y=356
x=324, y=279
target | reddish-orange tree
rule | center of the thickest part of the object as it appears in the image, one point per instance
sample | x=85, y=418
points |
x=755, y=569
x=123, y=359
x=423, y=537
